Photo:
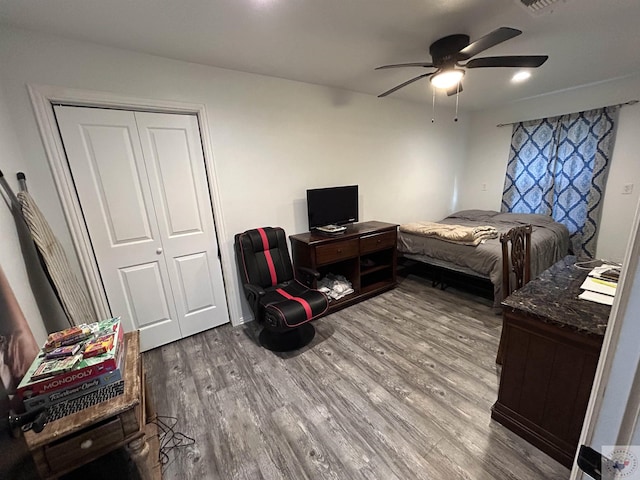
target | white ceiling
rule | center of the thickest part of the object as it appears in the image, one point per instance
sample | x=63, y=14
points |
x=338, y=43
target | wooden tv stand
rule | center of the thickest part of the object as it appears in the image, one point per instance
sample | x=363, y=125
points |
x=365, y=254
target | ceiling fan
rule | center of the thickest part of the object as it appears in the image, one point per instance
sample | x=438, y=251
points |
x=448, y=53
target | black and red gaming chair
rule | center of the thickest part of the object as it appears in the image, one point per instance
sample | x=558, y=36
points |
x=278, y=300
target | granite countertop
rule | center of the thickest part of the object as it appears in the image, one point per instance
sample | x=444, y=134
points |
x=553, y=298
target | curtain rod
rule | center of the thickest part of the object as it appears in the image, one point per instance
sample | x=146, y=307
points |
x=630, y=102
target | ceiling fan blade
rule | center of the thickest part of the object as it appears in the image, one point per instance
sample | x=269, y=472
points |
x=398, y=87
x=398, y=65
x=522, y=61
x=455, y=89
x=499, y=35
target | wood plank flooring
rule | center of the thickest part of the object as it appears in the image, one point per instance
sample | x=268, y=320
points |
x=398, y=387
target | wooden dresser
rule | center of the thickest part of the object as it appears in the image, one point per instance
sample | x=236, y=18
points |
x=552, y=345
x=81, y=437
x=365, y=255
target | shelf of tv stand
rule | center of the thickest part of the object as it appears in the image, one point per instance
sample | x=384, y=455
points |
x=365, y=254
x=375, y=268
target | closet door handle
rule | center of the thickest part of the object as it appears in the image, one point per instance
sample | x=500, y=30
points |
x=159, y=251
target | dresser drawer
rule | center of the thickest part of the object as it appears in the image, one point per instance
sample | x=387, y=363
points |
x=336, y=251
x=66, y=453
x=378, y=241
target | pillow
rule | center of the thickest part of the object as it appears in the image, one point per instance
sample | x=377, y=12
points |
x=525, y=218
x=477, y=215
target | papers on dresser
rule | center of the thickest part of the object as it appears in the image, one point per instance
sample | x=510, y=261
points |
x=597, y=289
x=600, y=286
x=596, y=297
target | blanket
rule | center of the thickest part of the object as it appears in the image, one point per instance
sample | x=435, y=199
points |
x=452, y=233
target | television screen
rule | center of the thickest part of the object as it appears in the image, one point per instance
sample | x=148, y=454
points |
x=332, y=206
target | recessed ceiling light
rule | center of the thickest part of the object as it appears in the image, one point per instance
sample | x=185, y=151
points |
x=521, y=76
x=263, y=3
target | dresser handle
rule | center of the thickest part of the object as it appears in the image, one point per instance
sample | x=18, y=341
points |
x=86, y=444
x=339, y=250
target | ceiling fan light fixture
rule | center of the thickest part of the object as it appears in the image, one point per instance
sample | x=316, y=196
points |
x=447, y=78
x=453, y=51
x=521, y=76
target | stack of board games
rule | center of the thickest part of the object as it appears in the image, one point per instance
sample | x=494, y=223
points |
x=63, y=372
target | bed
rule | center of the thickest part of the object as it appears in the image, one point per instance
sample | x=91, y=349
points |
x=549, y=243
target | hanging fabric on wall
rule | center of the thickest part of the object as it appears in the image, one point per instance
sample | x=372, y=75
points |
x=558, y=166
x=47, y=300
x=72, y=295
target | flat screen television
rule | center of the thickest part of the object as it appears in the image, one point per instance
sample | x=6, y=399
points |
x=332, y=206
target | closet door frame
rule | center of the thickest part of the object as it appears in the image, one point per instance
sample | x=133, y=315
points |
x=43, y=97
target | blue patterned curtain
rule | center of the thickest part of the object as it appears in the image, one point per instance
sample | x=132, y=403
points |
x=558, y=166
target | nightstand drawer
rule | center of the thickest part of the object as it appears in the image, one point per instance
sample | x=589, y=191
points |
x=336, y=251
x=91, y=442
x=378, y=241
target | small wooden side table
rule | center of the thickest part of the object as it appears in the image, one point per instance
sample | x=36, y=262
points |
x=84, y=436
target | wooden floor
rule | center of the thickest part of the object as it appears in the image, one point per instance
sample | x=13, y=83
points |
x=398, y=387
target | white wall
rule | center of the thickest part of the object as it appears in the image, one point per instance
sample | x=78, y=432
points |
x=612, y=415
x=11, y=259
x=489, y=150
x=622, y=384
x=271, y=138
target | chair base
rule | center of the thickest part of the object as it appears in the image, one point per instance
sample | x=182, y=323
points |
x=287, y=341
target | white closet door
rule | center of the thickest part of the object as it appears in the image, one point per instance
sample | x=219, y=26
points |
x=175, y=165
x=123, y=195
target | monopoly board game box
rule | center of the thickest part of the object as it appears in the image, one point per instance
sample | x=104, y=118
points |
x=46, y=375
x=76, y=391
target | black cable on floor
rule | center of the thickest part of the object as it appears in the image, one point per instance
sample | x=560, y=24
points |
x=169, y=438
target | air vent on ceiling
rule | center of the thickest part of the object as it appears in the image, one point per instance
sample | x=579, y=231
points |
x=538, y=7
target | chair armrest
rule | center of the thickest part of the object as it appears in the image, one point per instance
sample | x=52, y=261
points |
x=253, y=294
x=307, y=275
x=254, y=289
